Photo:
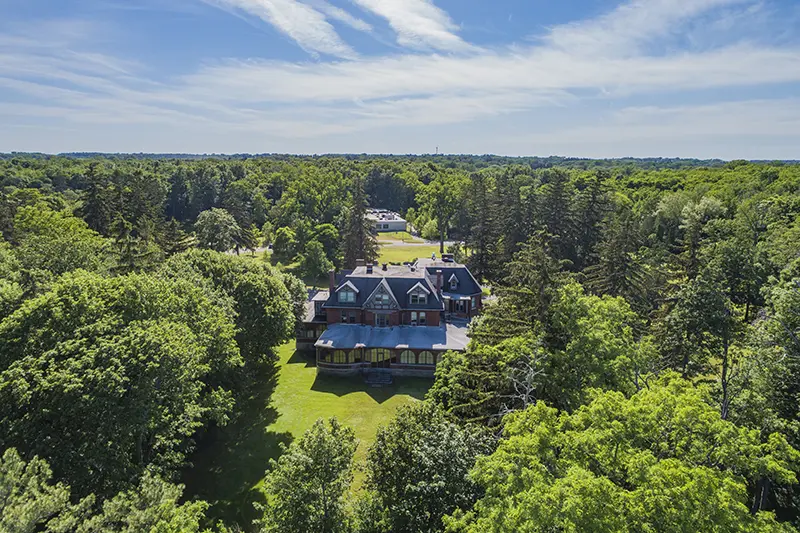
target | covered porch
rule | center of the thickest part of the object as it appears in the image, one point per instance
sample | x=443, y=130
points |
x=405, y=350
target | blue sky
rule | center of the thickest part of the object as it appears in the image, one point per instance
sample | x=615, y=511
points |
x=591, y=78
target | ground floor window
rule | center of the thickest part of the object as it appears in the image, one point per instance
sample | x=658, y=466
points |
x=378, y=355
x=407, y=357
x=325, y=356
x=419, y=319
x=426, y=358
x=340, y=357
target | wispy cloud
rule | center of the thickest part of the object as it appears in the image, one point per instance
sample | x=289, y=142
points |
x=301, y=22
x=337, y=13
x=606, y=59
x=418, y=23
x=621, y=31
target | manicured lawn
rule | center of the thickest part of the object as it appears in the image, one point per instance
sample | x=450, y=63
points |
x=402, y=236
x=401, y=253
x=230, y=464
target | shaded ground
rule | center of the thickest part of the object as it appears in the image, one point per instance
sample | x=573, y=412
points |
x=230, y=463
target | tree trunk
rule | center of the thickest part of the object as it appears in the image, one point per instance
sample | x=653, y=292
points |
x=441, y=240
x=761, y=495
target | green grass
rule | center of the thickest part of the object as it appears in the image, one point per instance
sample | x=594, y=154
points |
x=394, y=236
x=230, y=463
x=401, y=254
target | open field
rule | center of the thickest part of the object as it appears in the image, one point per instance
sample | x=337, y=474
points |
x=398, y=236
x=229, y=468
x=399, y=253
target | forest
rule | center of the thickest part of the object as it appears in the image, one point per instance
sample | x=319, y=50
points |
x=636, y=368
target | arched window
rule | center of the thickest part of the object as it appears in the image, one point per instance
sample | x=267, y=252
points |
x=340, y=357
x=378, y=355
x=325, y=356
x=407, y=357
x=426, y=358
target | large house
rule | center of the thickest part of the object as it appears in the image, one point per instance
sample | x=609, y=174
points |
x=401, y=318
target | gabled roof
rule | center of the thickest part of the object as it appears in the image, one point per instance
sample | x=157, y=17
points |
x=421, y=286
x=385, y=285
x=348, y=284
x=400, y=287
x=467, y=284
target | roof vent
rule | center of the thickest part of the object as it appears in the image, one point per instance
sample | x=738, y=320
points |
x=385, y=267
x=369, y=268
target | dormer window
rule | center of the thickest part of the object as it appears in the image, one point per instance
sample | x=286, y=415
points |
x=418, y=294
x=347, y=293
x=453, y=282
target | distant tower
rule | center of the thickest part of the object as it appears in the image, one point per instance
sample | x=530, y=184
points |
x=437, y=150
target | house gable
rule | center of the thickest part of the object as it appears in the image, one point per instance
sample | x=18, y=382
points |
x=382, y=298
x=348, y=284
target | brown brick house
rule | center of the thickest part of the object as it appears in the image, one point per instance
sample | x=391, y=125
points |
x=401, y=318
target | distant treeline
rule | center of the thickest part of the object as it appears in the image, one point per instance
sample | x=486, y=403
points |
x=474, y=161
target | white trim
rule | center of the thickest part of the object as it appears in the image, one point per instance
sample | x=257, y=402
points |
x=453, y=275
x=348, y=284
x=385, y=284
x=421, y=286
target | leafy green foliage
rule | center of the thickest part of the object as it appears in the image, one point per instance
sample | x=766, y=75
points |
x=314, y=263
x=417, y=472
x=30, y=503
x=216, y=229
x=51, y=243
x=264, y=303
x=133, y=362
x=306, y=486
x=662, y=460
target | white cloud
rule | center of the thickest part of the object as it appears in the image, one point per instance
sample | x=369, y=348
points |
x=321, y=103
x=621, y=31
x=418, y=23
x=337, y=13
x=301, y=22
x=750, y=129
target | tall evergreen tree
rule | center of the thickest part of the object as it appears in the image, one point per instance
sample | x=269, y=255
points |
x=556, y=213
x=482, y=239
x=98, y=207
x=592, y=206
x=358, y=237
x=619, y=272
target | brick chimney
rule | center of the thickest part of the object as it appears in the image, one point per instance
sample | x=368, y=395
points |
x=332, y=281
x=439, y=276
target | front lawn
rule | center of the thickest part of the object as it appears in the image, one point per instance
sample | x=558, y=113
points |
x=402, y=236
x=398, y=253
x=230, y=464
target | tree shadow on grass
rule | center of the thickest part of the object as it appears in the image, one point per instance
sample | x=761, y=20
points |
x=230, y=461
x=344, y=385
x=300, y=357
